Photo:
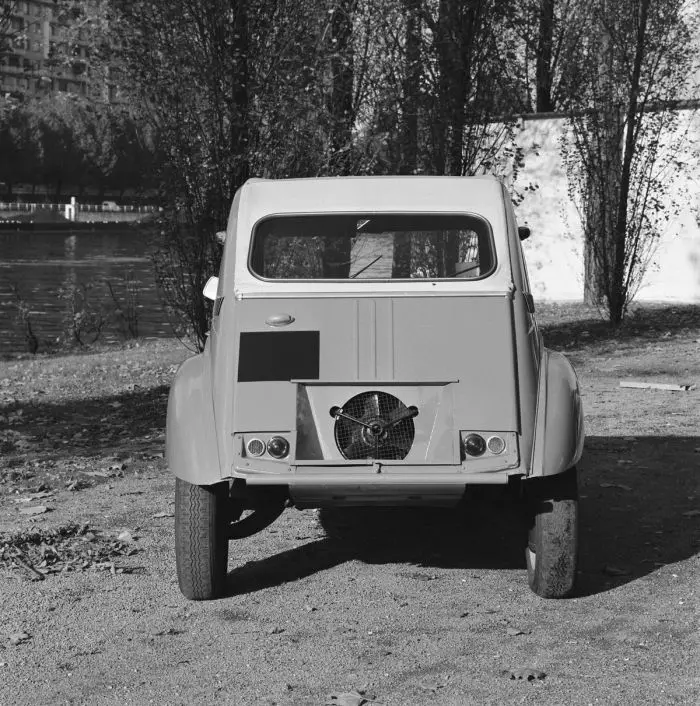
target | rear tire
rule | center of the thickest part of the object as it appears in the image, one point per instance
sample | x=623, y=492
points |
x=201, y=539
x=552, y=549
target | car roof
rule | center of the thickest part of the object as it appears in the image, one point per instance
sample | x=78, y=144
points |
x=479, y=194
x=261, y=198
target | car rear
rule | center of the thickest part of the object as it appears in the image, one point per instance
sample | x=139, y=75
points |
x=370, y=341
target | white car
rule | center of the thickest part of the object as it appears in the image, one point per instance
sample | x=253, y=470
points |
x=373, y=342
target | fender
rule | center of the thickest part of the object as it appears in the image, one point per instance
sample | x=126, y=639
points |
x=191, y=448
x=559, y=433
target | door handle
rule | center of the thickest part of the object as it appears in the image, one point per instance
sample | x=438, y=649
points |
x=279, y=319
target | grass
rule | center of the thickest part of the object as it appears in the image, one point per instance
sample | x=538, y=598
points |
x=567, y=326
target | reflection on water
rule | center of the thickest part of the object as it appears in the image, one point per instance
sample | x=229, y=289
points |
x=41, y=265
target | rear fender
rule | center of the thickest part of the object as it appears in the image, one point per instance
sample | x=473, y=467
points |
x=191, y=448
x=559, y=431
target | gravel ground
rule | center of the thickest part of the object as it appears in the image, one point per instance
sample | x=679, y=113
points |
x=399, y=607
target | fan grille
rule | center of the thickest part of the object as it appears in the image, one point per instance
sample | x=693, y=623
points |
x=375, y=437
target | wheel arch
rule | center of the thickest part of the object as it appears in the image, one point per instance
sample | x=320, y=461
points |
x=559, y=432
x=191, y=447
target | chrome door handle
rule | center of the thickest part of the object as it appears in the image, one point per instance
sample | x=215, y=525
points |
x=279, y=320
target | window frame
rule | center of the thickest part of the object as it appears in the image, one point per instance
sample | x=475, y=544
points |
x=488, y=230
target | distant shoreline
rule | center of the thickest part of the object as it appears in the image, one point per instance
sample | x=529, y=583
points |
x=69, y=226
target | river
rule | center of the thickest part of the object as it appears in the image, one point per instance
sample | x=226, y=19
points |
x=43, y=267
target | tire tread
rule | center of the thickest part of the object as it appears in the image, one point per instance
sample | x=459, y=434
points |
x=201, y=543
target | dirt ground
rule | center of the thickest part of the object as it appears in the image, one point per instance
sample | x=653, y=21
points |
x=402, y=607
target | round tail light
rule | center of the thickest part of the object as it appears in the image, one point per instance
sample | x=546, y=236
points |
x=474, y=445
x=255, y=447
x=278, y=447
x=496, y=445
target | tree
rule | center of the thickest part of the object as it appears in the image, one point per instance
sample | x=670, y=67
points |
x=636, y=63
x=8, y=32
x=283, y=88
x=20, y=155
x=469, y=94
x=341, y=113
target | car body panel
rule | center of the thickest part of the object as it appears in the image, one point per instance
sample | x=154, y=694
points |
x=192, y=450
x=559, y=432
x=467, y=353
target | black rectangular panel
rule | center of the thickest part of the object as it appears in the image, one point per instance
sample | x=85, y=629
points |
x=278, y=355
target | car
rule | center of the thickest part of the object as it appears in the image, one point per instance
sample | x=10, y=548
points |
x=110, y=206
x=373, y=342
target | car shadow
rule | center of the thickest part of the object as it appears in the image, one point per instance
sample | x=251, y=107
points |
x=634, y=493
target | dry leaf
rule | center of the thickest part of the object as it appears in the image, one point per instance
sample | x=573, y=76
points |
x=125, y=536
x=349, y=698
x=611, y=570
x=431, y=685
x=513, y=632
x=615, y=485
x=526, y=673
x=18, y=638
x=34, y=510
x=42, y=494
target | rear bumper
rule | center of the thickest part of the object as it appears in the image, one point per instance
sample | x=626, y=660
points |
x=318, y=486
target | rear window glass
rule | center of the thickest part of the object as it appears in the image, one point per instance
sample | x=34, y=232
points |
x=379, y=247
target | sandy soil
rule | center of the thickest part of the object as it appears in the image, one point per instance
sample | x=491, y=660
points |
x=403, y=607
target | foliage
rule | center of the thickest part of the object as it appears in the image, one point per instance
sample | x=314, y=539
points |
x=216, y=92
x=625, y=142
x=7, y=32
x=284, y=89
x=540, y=44
x=126, y=304
x=84, y=320
x=72, y=143
x=23, y=318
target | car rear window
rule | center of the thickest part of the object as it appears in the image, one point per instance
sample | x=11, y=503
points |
x=375, y=247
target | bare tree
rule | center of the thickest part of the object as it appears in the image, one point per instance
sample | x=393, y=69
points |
x=620, y=158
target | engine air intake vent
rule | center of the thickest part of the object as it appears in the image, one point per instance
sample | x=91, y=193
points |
x=374, y=425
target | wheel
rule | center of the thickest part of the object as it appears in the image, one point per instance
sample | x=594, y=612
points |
x=201, y=539
x=552, y=548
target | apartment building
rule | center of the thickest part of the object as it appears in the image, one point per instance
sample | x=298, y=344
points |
x=38, y=62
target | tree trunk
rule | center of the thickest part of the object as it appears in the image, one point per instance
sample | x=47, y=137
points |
x=604, y=130
x=240, y=124
x=341, y=102
x=543, y=64
x=619, y=289
x=411, y=89
x=593, y=290
x=460, y=30
x=401, y=265
x=452, y=76
x=336, y=253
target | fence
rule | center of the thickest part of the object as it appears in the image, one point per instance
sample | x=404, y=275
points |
x=74, y=211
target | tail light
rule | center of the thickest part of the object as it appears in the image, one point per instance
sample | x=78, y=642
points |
x=474, y=445
x=255, y=447
x=278, y=447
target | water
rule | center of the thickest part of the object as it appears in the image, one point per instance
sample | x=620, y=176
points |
x=41, y=265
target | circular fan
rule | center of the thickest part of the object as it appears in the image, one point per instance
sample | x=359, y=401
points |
x=374, y=425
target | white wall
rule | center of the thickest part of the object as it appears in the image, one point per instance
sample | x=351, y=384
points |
x=555, y=250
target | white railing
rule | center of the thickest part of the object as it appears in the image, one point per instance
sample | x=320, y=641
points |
x=84, y=207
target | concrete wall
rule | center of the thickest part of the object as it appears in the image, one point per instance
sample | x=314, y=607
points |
x=555, y=250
